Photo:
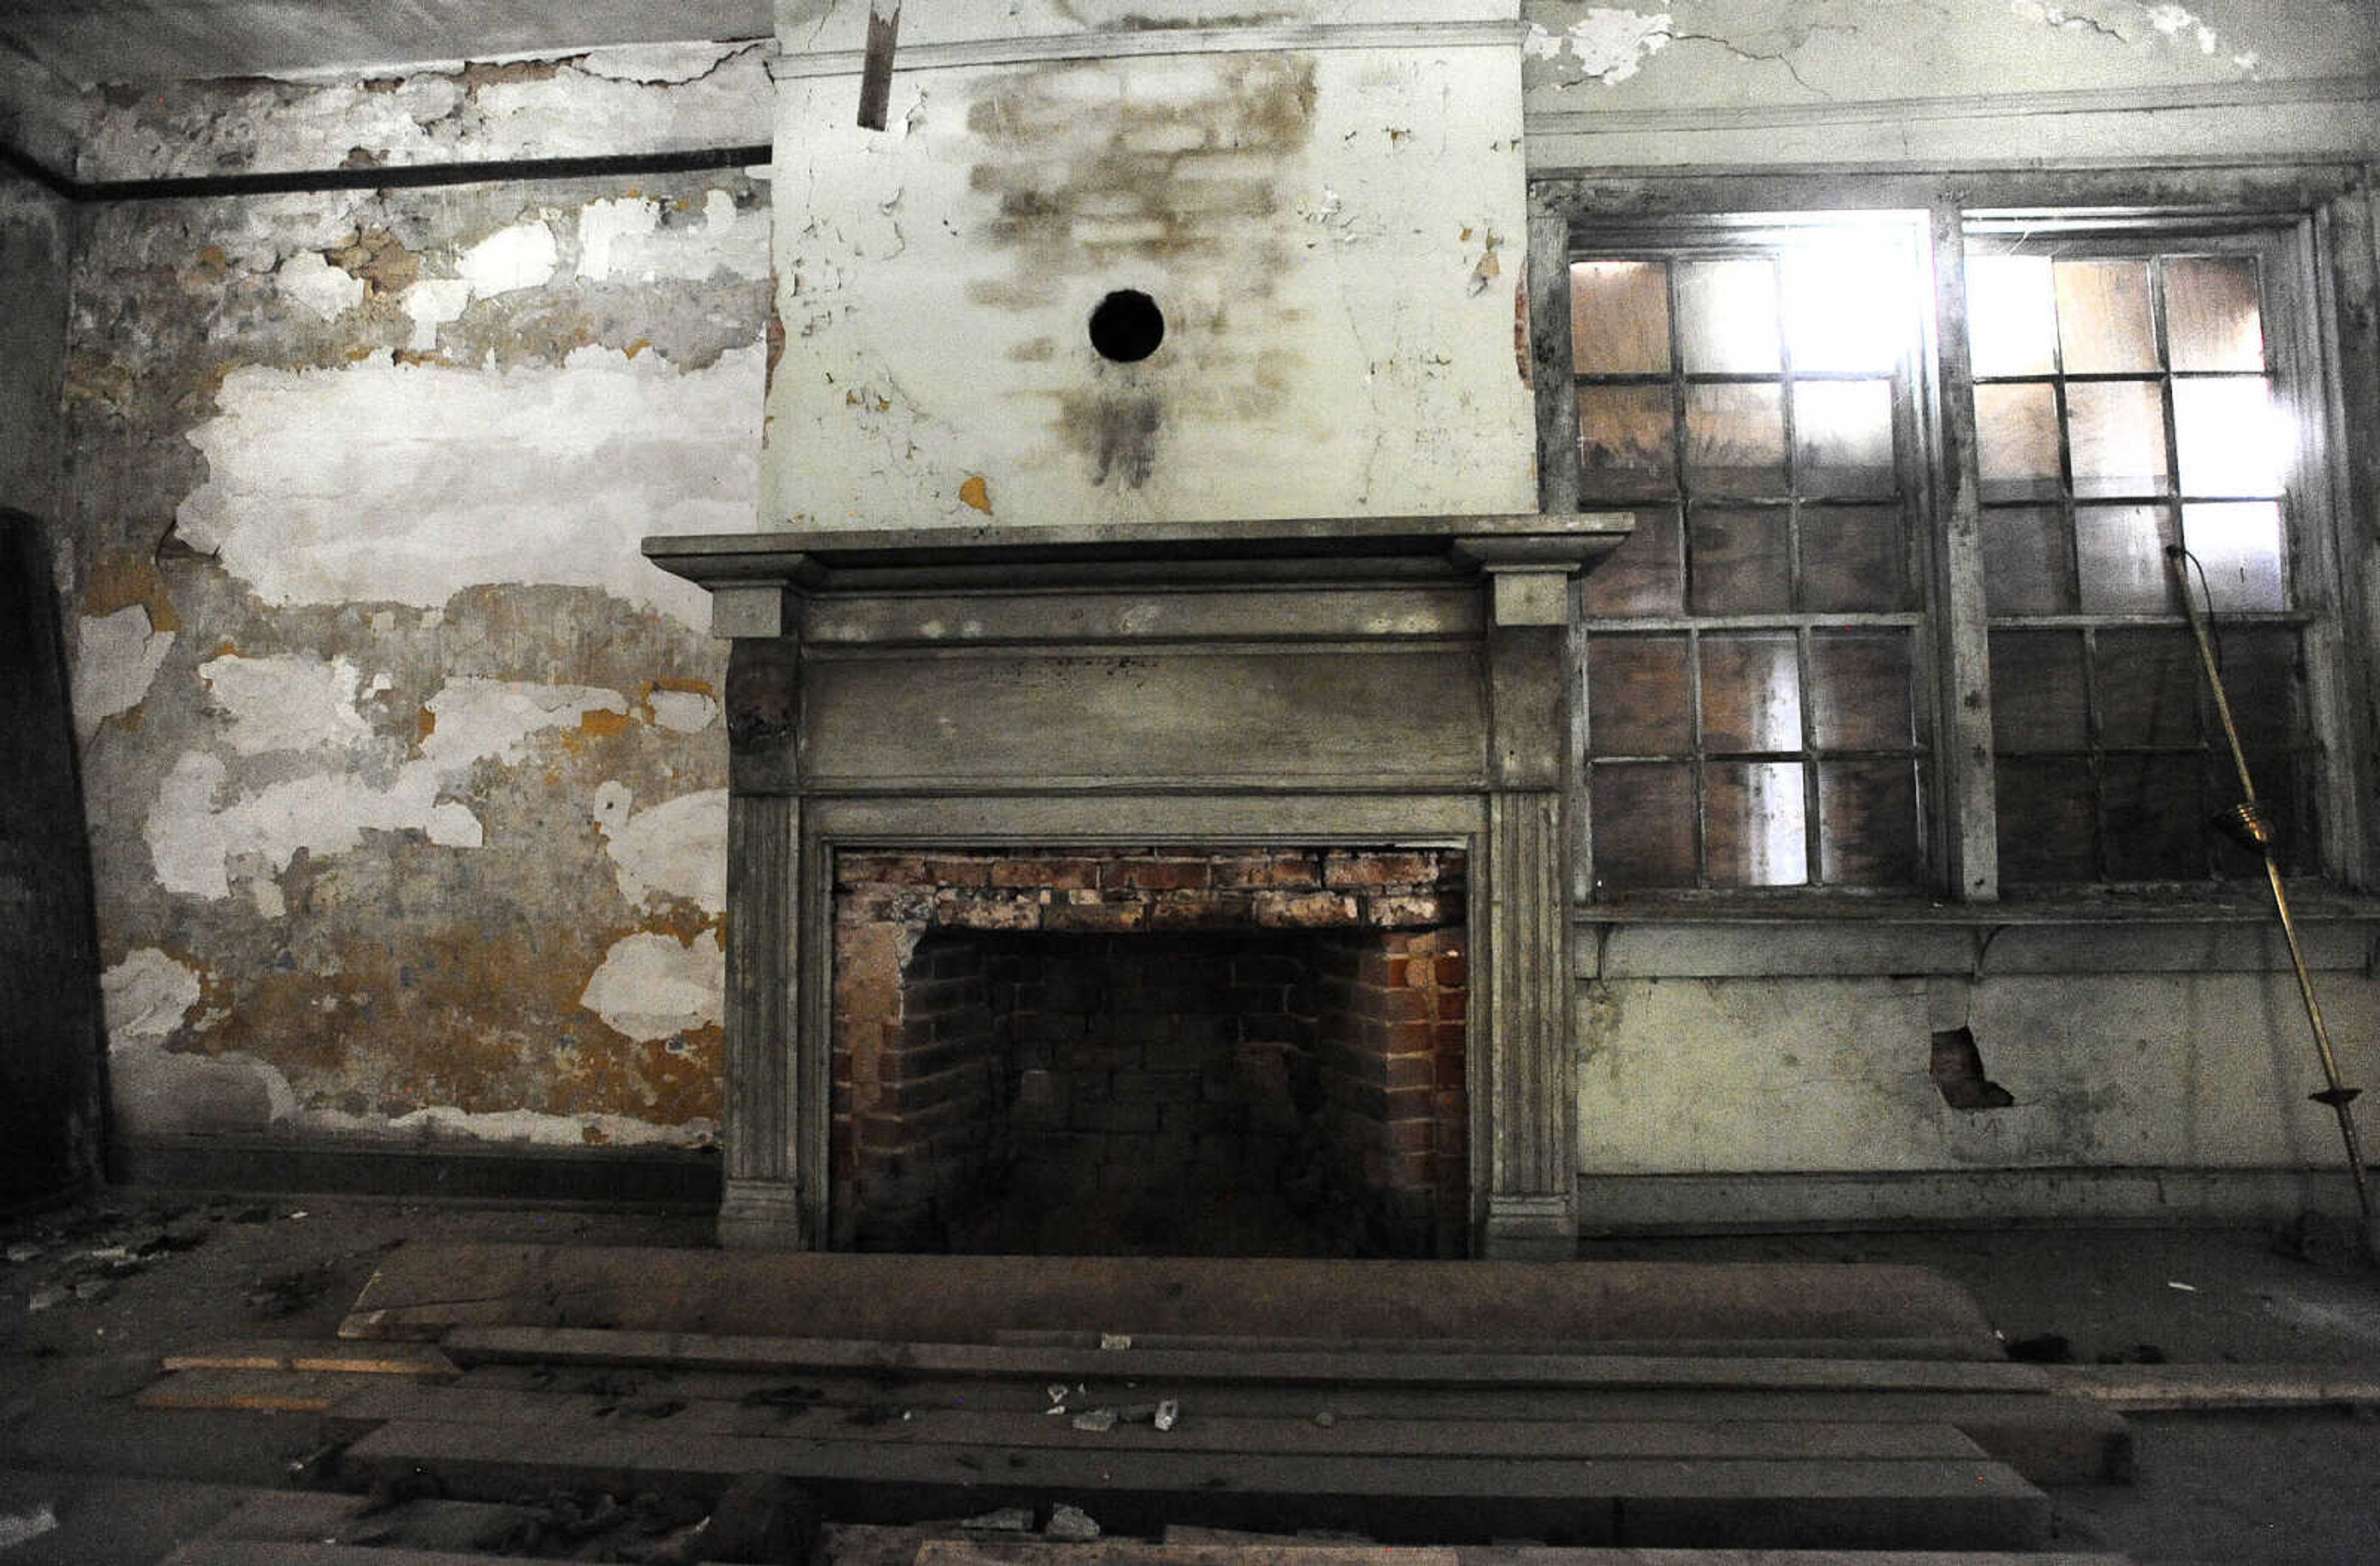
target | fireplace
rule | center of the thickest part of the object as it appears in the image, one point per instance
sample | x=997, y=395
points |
x=969, y=766
x=1237, y=1051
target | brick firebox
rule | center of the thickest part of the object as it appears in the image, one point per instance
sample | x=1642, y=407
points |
x=1183, y=1050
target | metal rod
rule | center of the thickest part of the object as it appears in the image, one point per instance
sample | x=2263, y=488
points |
x=2336, y=1094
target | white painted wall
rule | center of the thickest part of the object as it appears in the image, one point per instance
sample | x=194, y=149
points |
x=1333, y=234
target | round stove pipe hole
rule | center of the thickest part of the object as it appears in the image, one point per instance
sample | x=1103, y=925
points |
x=1128, y=326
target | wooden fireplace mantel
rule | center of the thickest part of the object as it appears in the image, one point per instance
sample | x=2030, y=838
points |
x=1296, y=682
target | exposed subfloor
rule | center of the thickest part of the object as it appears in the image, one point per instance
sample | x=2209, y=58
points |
x=130, y=1276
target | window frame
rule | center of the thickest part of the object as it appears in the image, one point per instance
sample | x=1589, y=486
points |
x=1916, y=454
x=2320, y=219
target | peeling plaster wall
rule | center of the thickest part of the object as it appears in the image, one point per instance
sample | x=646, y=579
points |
x=1329, y=233
x=404, y=771
x=1703, y=1076
x=605, y=102
x=1919, y=82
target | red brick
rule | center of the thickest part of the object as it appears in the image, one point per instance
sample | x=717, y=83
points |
x=1303, y=910
x=1070, y=873
x=1452, y=969
x=1094, y=919
x=1404, y=910
x=878, y=870
x=1155, y=875
x=960, y=873
x=976, y=910
x=1279, y=870
x=1379, y=869
x=1450, y=1070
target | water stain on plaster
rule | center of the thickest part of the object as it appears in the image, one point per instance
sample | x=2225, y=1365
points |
x=1164, y=175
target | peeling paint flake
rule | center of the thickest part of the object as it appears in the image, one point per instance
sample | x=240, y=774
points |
x=1607, y=45
x=678, y=848
x=310, y=279
x=290, y=701
x=522, y=256
x=146, y=996
x=626, y=240
x=381, y=481
x=652, y=986
x=117, y=659
x=201, y=827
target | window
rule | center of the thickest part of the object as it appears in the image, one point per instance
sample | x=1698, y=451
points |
x=1761, y=657
x=2126, y=403
x=1754, y=662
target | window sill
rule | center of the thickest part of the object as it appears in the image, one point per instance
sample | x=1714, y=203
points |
x=2222, y=929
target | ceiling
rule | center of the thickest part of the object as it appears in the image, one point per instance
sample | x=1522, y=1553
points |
x=89, y=41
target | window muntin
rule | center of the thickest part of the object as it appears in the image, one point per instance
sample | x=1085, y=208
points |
x=2127, y=400
x=1754, y=659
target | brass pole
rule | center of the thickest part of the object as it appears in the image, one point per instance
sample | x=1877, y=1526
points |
x=2248, y=823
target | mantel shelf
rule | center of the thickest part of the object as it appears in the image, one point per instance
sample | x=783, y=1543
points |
x=1453, y=546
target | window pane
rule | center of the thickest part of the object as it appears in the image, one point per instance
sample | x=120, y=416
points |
x=1627, y=452
x=2026, y=570
x=1848, y=306
x=1855, y=558
x=2262, y=678
x=2046, y=823
x=1843, y=437
x=1860, y=691
x=2148, y=687
x=2103, y=316
x=1644, y=575
x=2039, y=701
x=2121, y=551
x=1644, y=825
x=2156, y=811
x=2239, y=547
x=1742, y=561
x=1727, y=317
x=2117, y=431
x=1867, y=824
x=2212, y=319
x=1753, y=819
x=1752, y=693
x=2011, y=315
x=2016, y=442
x=2231, y=439
x=1735, y=439
x=1620, y=317
x=1637, y=702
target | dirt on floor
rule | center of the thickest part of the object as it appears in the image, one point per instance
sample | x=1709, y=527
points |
x=92, y=1295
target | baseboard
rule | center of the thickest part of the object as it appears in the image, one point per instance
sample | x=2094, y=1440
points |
x=1710, y=1204
x=661, y=1179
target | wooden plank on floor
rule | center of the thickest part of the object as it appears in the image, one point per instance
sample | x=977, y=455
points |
x=2049, y=1440
x=422, y=1361
x=264, y=1391
x=1698, y=1348
x=1262, y=1550
x=1786, y=1502
x=2145, y=1389
x=1195, y=1432
x=573, y=1345
x=420, y=1291
x=276, y=1552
